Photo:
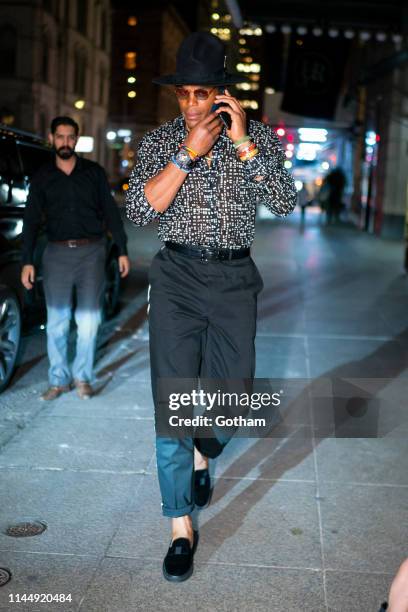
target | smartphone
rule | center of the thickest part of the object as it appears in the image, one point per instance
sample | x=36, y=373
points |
x=225, y=118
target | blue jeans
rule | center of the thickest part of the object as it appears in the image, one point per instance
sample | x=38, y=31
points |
x=67, y=269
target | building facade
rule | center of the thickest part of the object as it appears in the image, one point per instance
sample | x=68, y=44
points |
x=57, y=56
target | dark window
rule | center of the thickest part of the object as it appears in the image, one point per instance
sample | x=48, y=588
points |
x=8, y=51
x=47, y=4
x=104, y=30
x=43, y=124
x=67, y=13
x=79, y=73
x=82, y=15
x=102, y=79
x=11, y=193
x=45, y=76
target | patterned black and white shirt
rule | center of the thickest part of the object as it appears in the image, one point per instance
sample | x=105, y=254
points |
x=215, y=205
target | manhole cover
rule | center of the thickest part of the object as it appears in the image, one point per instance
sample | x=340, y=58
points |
x=5, y=576
x=25, y=529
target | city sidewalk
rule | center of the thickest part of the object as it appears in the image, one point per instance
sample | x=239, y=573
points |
x=299, y=522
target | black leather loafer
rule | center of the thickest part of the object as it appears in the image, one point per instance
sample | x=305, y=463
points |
x=178, y=563
x=202, y=488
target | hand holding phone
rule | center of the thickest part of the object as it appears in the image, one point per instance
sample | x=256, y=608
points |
x=225, y=117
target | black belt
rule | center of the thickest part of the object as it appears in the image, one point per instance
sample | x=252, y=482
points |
x=73, y=244
x=208, y=253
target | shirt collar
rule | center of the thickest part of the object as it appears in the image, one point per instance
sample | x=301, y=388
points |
x=78, y=164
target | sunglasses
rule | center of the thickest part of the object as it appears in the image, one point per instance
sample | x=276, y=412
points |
x=200, y=94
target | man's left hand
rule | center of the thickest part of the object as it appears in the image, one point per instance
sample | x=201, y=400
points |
x=236, y=112
x=124, y=265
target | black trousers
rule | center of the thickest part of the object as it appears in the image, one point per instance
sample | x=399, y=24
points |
x=202, y=322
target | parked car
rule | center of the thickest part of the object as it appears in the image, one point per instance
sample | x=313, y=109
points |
x=21, y=154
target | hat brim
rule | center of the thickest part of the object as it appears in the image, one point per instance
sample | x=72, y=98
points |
x=174, y=79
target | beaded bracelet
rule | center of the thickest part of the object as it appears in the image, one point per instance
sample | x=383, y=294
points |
x=246, y=149
x=250, y=155
x=241, y=141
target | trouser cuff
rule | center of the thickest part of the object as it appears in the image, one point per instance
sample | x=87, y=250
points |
x=210, y=447
x=176, y=512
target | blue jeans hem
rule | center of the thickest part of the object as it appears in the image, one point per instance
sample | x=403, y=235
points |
x=176, y=512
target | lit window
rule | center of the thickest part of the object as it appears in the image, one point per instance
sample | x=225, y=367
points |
x=248, y=67
x=222, y=33
x=132, y=21
x=247, y=86
x=130, y=60
x=249, y=104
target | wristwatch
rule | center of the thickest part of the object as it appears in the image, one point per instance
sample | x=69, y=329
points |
x=183, y=160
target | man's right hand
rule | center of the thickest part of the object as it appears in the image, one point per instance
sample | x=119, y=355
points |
x=202, y=137
x=28, y=276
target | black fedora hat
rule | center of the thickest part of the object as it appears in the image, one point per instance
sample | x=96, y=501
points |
x=200, y=61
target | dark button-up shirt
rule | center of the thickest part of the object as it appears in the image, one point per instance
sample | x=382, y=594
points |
x=74, y=206
x=216, y=205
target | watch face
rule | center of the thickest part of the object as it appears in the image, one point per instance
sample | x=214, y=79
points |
x=184, y=158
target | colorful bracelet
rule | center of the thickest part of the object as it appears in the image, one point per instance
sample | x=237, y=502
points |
x=241, y=141
x=246, y=149
x=244, y=154
x=250, y=155
x=194, y=153
x=243, y=146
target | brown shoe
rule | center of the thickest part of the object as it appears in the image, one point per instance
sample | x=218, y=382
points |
x=84, y=389
x=53, y=392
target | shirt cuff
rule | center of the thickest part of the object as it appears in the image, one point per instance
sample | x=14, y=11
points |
x=140, y=211
x=256, y=167
x=122, y=249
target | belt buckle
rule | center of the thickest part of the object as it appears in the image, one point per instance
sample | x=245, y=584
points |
x=72, y=244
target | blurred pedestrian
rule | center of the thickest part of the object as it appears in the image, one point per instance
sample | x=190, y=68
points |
x=72, y=196
x=201, y=179
x=331, y=194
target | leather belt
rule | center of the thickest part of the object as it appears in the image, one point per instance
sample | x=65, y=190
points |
x=73, y=244
x=208, y=253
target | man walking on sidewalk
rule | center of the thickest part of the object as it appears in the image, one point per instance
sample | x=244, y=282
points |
x=72, y=196
x=202, y=179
